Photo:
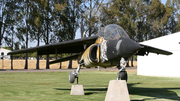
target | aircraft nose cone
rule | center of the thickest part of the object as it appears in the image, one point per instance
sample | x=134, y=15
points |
x=127, y=47
x=132, y=46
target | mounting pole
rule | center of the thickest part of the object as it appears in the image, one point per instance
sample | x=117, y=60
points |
x=77, y=80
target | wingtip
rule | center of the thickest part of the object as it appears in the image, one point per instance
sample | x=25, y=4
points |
x=9, y=53
x=170, y=53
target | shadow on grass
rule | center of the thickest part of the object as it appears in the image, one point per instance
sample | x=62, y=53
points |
x=146, y=93
x=2, y=70
x=90, y=91
x=155, y=93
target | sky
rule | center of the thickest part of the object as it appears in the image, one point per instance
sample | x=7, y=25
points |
x=163, y=1
x=77, y=36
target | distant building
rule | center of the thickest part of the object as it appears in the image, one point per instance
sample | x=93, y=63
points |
x=5, y=51
x=161, y=65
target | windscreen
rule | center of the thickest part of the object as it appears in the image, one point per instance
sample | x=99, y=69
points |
x=112, y=32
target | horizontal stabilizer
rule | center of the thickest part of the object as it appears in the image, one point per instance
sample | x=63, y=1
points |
x=65, y=59
x=146, y=49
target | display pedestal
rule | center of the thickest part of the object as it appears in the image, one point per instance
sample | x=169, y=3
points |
x=77, y=90
x=117, y=91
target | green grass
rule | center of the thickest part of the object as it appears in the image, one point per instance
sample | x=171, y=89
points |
x=54, y=86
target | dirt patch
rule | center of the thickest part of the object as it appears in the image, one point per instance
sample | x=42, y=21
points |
x=19, y=64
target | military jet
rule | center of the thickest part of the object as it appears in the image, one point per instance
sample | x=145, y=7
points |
x=111, y=46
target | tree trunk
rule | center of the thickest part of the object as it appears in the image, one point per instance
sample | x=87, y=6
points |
x=37, y=63
x=47, y=57
x=60, y=62
x=12, y=50
x=132, y=62
x=70, y=63
x=60, y=65
x=27, y=18
x=90, y=18
x=0, y=32
x=26, y=62
x=47, y=61
x=11, y=62
x=127, y=64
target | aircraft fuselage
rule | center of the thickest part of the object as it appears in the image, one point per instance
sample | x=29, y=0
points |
x=107, y=53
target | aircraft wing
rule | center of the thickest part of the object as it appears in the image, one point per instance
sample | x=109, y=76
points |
x=146, y=49
x=65, y=59
x=73, y=46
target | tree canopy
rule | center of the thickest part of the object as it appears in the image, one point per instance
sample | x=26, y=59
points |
x=51, y=21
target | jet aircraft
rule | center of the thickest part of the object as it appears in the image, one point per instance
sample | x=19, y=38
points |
x=111, y=46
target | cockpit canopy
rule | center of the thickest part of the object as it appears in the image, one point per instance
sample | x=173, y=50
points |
x=112, y=32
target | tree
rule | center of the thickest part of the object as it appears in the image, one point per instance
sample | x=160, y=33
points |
x=2, y=29
x=91, y=15
x=37, y=25
x=174, y=20
x=40, y=22
x=152, y=18
x=8, y=48
x=142, y=20
x=10, y=12
x=69, y=14
x=7, y=19
x=27, y=29
x=17, y=46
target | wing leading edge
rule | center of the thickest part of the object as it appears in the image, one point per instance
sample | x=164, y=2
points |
x=73, y=46
x=146, y=49
x=65, y=59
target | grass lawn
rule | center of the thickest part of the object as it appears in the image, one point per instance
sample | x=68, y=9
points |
x=55, y=86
